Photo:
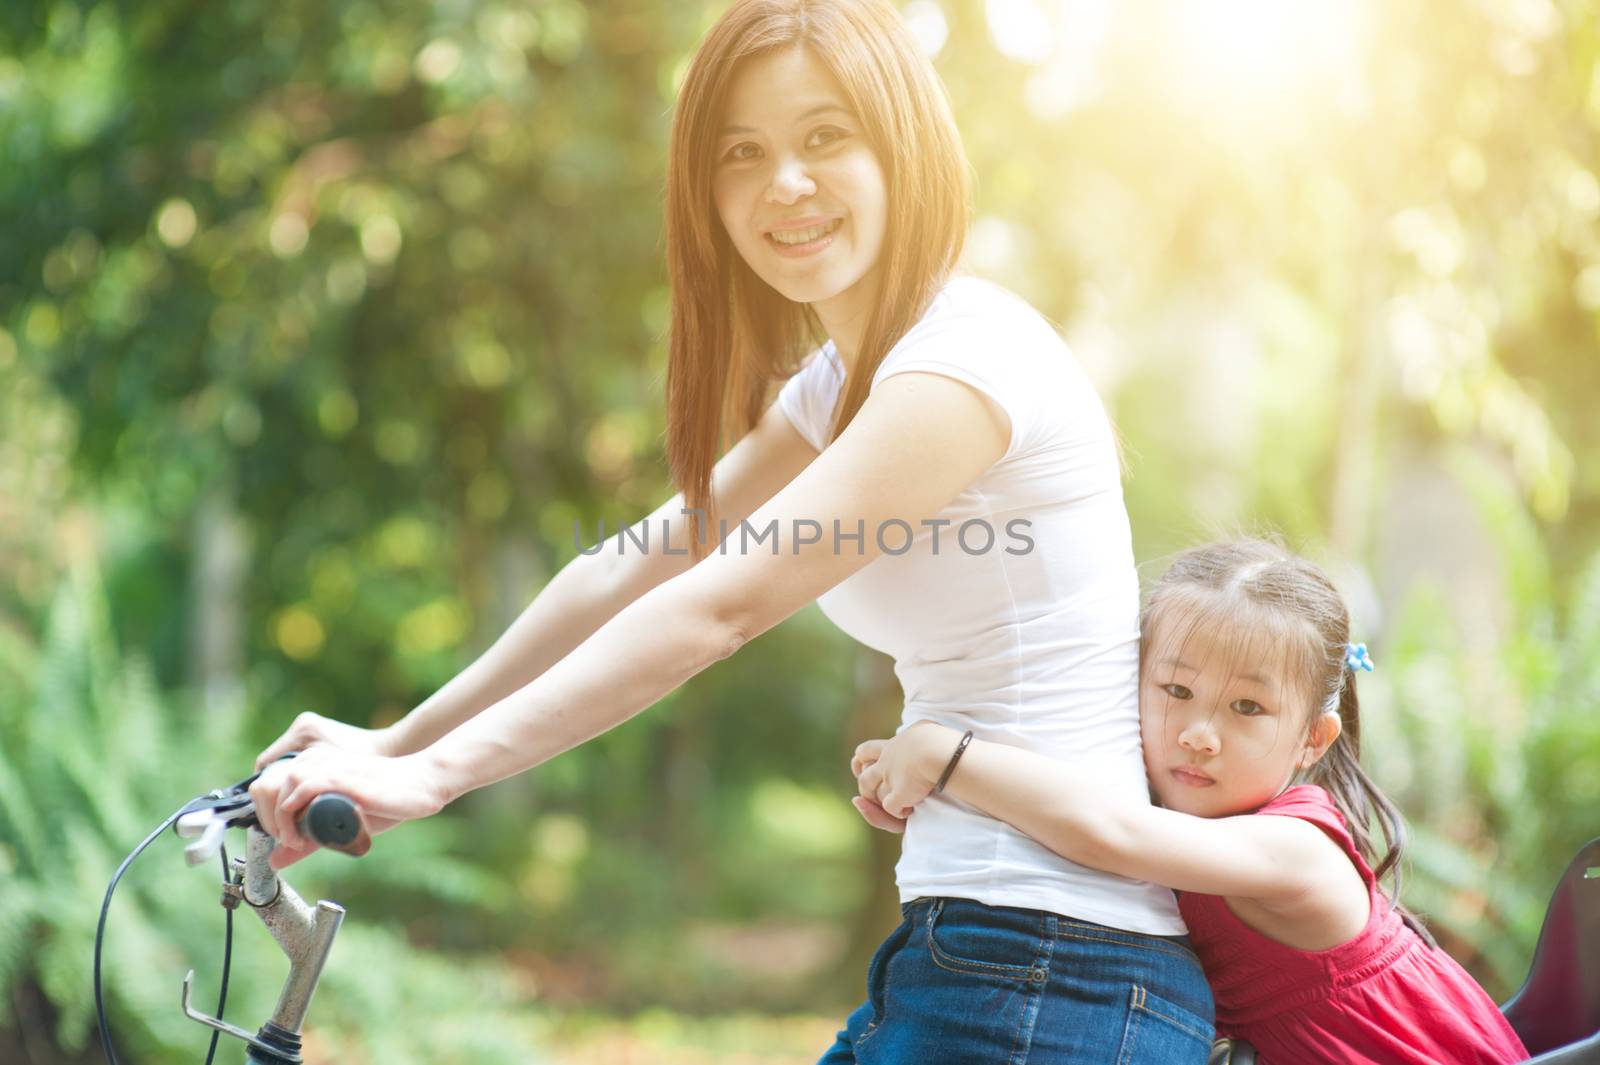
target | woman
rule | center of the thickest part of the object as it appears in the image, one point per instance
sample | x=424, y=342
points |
x=938, y=474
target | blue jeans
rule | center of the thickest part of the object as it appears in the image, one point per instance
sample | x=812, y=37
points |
x=961, y=983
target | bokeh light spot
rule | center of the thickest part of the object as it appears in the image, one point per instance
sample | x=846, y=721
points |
x=176, y=223
x=437, y=61
x=288, y=235
x=299, y=633
x=380, y=238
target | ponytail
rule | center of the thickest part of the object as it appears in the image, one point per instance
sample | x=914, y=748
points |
x=1359, y=799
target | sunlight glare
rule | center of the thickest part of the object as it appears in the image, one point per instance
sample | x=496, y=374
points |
x=1021, y=30
x=1246, y=48
x=925, y=19
x=1072, y=76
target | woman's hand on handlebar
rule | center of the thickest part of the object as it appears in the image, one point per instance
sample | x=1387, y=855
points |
x=388, y=790
x=309, y=729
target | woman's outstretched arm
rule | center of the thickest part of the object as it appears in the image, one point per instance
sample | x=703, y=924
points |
x=587, y=592
x=592, y=589
x=918, y=441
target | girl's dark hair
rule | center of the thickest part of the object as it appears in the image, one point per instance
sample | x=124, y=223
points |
x=1297, y=601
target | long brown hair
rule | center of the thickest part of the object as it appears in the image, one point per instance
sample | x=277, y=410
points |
x=733, y=335
x=1303, y=612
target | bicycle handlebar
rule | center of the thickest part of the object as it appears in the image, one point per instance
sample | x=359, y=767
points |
x=304, y=932
x=336, y=822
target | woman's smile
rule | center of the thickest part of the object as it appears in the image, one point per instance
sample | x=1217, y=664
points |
x=797, y=242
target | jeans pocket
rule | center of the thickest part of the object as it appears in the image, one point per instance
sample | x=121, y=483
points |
x=987, y=941
x=1159, y=1032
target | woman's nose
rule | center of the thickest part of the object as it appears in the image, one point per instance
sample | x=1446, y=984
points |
x=790, y=182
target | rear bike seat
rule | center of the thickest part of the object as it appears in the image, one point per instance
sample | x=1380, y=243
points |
x=1556, y=1012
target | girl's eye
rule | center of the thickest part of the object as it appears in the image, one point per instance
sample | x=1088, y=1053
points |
x=1177, y=691
x=738, y=153
x=1248, y=707
x=824, y=137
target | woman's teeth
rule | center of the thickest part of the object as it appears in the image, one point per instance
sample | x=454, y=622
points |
x=806, y=236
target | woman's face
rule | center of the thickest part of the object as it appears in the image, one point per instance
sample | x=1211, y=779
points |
x=797, y=186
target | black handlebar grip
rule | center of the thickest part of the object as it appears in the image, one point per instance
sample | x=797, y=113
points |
x=335, y=821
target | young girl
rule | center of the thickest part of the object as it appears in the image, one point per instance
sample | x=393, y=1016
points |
x=935, y=471
x=1247, y=684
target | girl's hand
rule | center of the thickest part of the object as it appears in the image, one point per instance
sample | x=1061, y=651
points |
x=388, y=790
x=899, y=773
x=311, y=728
x=874, y=814
x=877, y=816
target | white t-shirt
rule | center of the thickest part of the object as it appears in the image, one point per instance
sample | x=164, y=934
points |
x=1033, y=641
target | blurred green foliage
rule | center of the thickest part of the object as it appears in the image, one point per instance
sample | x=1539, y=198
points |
x=94, y=760
x=321, y=325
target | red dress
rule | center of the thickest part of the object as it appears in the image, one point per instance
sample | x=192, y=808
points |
x=1382, y=998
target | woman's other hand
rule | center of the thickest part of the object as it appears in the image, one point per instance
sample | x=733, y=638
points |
x=388, y=790
x=309, y=729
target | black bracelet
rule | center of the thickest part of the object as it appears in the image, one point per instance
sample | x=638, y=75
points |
x=961, y=748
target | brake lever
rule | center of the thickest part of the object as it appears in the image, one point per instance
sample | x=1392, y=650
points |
x=206, y=818
x=204, y=829
x=331, y=818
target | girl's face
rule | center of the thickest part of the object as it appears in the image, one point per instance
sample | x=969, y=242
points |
x=1224, y=729
x=797, y=187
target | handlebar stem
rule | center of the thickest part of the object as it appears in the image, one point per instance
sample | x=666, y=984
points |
x=304, y=932
x=261, y=883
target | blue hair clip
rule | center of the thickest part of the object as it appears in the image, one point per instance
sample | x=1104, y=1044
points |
x=1356, y=657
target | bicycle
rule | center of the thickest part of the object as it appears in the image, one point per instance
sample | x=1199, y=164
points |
x=304, y=932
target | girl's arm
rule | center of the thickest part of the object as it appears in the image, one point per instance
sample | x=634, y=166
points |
x=1092, y=818
x=917, y=442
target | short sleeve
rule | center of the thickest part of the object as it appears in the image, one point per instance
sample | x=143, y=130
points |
x=1309, y=802
x=998, y=353
x=807, y=399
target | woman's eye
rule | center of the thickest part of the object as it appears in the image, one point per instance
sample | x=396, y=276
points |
x=747, y=152
x=1177, y=691
x=1248, y=707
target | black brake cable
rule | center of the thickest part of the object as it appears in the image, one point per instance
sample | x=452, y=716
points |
x=100, y=934
x=100, y=931
x=227, y=957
